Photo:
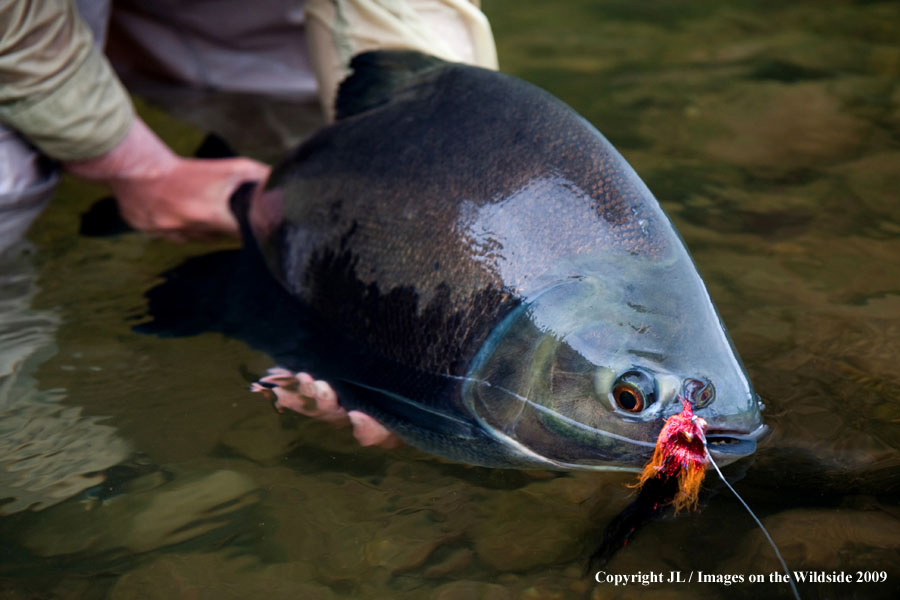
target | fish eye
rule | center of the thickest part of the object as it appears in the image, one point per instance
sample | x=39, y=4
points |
x=634, y=391
x=628, y=397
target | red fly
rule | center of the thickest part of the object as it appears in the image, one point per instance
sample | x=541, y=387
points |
x=680, y=453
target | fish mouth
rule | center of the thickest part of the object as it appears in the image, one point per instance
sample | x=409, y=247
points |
x=727, y=446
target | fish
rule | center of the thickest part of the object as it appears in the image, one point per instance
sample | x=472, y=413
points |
x=495, y=283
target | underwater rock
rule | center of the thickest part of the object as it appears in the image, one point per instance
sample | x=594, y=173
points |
x=822, y=539
x=189, y=510
x=214, y=577
x=327, y=518
x=545, y=522
x=471, y=590
x=894, y=117
x=783, y=126
x=555, y=587
x=366, y=529
x=671, y=592
x=260, y=438
x=873, y=181
x=528, y=538
x=405, y=542
x=422, y=486
x=454, y=562
x=146, y=519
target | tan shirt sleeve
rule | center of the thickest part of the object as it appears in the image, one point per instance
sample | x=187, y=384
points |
x=455, y=30
x=56, y=89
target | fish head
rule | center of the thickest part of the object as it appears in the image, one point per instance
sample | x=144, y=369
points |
x=585, y=372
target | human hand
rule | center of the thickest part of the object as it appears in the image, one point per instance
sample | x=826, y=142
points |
x=161, y=192
x=189, y=199
x=301, y=393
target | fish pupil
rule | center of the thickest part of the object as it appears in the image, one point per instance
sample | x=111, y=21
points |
x=627, y=400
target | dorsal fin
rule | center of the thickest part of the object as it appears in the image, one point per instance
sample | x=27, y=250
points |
x=381, y=76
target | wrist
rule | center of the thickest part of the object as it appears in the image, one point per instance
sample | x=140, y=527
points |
x=140, y=155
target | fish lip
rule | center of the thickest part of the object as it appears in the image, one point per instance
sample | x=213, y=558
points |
x=731, y=445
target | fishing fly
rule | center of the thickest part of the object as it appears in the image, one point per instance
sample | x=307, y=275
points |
x=681, y=453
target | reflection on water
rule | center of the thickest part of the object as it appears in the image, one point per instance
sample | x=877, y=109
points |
x=768, y=130
x=48, y=450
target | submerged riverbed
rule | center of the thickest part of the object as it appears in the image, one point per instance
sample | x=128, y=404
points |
x=770, y=133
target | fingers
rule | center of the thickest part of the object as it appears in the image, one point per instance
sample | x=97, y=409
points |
x=320, y=400
x=281, y=377
x=303, y=394
x=189, y=200
x=218, y=179
x=369, y=432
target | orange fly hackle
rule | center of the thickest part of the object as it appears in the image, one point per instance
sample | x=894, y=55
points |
x=680, y=452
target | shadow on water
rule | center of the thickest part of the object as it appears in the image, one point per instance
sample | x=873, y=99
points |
x=230, y=292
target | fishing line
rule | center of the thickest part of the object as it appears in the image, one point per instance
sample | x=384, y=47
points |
x=758, y=522
x=543, y=409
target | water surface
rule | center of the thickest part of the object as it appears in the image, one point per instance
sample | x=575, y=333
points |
x=769, y=131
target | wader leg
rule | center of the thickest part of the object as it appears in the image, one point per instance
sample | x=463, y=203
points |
x=27, y=181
